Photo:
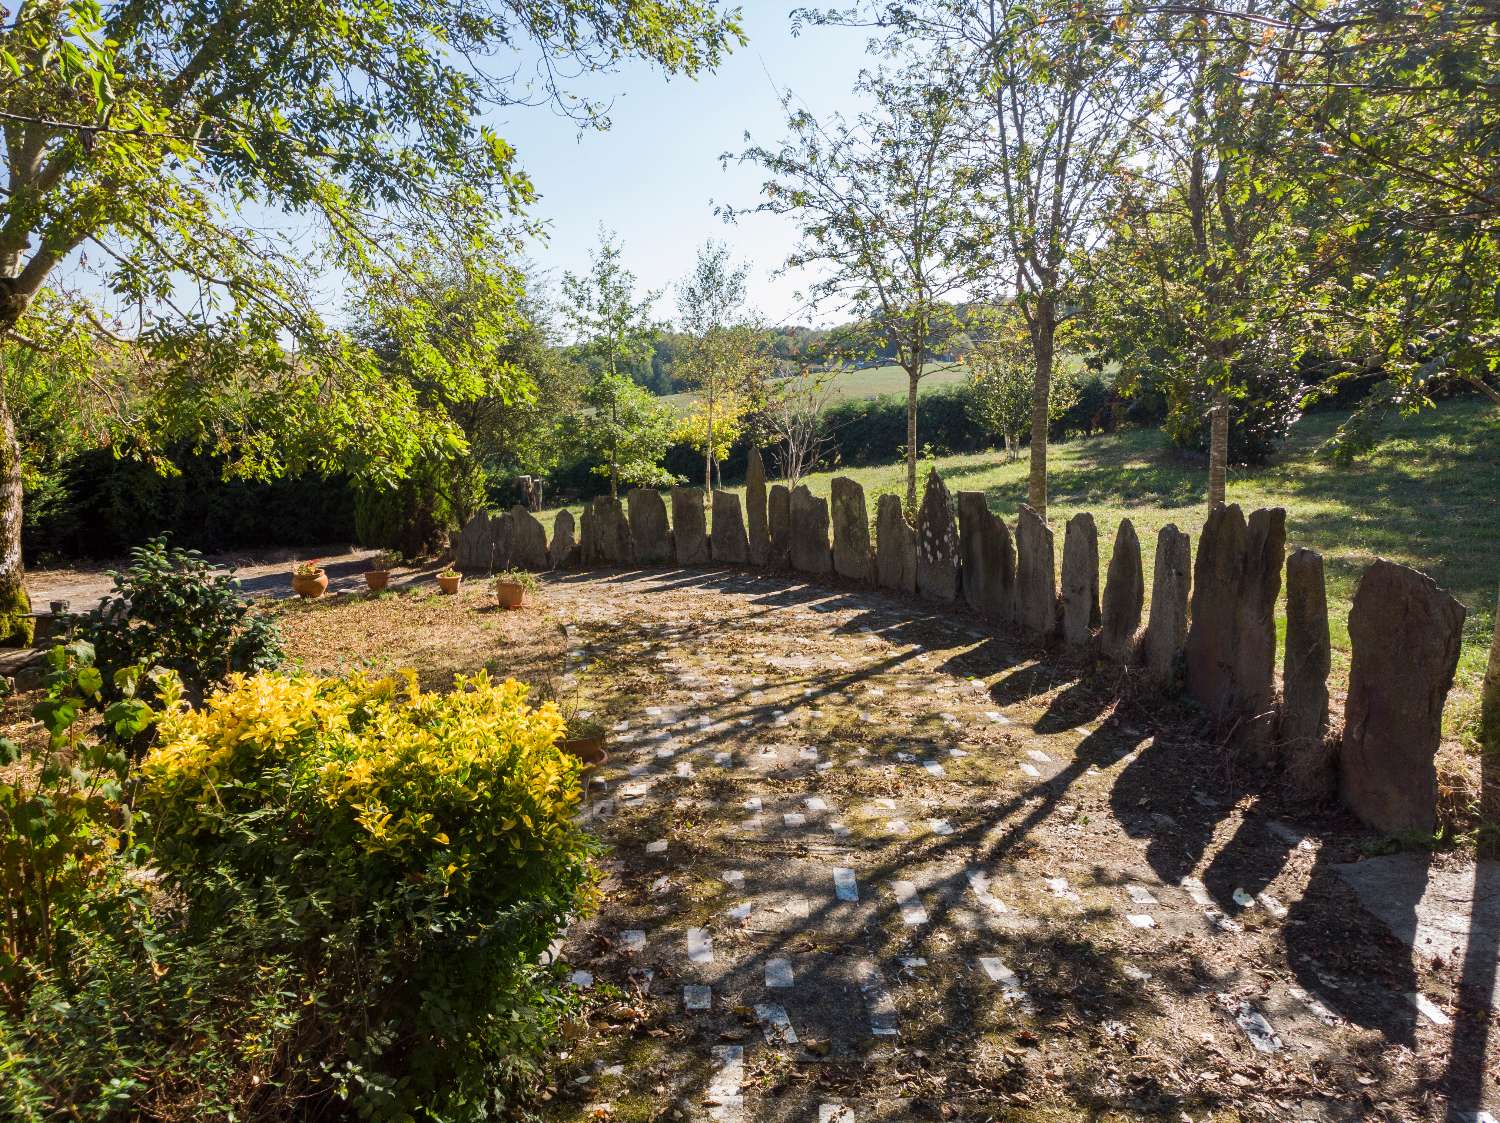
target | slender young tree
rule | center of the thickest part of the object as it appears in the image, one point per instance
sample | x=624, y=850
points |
x=138, y=135
x=883, y=205
x=721, y=356
x=613, y=331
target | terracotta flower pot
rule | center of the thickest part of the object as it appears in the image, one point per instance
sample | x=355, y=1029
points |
x=377, y=579
x=449, y=585
x=510, y=594
x=310, y=588
x=590, y=750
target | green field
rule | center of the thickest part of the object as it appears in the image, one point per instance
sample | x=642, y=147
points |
x=873, y=382
x=1426, y=497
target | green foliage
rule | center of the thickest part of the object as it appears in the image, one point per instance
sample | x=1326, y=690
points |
x=425, y=843
x=60, y=826
x=173, y=610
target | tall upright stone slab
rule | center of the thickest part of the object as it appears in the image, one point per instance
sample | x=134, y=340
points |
x=1036, y=576
x=528, y=544
x=987, y=558
x=937, y=543
x=1231, y=643
x=779, y=527
x=1489, y=705
x=1310, y=762
x=811, y=552
x=1124, y=592
x=1080, y=580
x=611, y=532
x=1404, y=635
x=852, y=556
x=564, y=550
x=757, y=521
x=689, y=529
x=650, y=536
x=502, y=542
x=895, y=547
x=588, y=539
x=1166, y=630
x=728, y=543
x=475, y=545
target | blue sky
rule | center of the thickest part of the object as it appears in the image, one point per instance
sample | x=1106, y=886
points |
x=655, y=176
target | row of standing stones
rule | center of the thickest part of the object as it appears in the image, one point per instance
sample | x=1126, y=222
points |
x=1212, y=624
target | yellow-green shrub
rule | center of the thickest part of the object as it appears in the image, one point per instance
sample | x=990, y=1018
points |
x=420, y=851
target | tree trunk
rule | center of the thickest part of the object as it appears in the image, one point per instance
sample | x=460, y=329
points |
x=1043, y=335
x=911, y=438
x=1489, y=706
x=708, y=452
x=1218, y=450
x=16, y=626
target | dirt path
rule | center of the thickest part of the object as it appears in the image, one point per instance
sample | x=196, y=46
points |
x=870, y=867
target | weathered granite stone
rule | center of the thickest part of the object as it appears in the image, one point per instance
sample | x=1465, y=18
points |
x=1080, y=580
x=475, y=545
x=502, y=541
x=729, y=544
x=1166, y=630
x=779, y=527
x=650, y=536
x=1231, y=642
x=937, y=543
x=756, y=520
x=1124, y=591
x=809, y=539
x=612, y=532
x=528, y=544
x=588, y=539
x=852, y=556
x=1489, y=712
x=564, y=550
x=1404, y=634
x=689, y=528
x=895, y=546
x=1036, y=576
x=987, y=558
x=1310, y=761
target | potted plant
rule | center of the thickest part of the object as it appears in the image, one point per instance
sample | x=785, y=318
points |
x=448, y=581
x=309, y=581
x=378, y=576
x=584, y=738
x=512, y=586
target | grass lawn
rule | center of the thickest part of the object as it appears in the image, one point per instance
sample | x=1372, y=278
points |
x=1426, y=497
x=872, y=382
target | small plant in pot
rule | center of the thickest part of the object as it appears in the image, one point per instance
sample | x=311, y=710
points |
x=448, y=581
x=378, y=576
x=512, y=586
x=584, y=738
x=308, y=580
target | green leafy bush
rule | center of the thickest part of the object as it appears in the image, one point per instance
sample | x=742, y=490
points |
x=425, y=849
x=172, y=609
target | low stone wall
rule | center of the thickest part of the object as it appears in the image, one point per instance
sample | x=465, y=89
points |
x=1211, y=627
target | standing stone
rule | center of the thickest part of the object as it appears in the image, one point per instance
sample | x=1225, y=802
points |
x=1405, y=634
x=475, y=544
x=1080, y=580
x=729, y=544
x=755, y=509
x=809, y=538
x=528, y=546
x=502, y=542
x=1310, y=761
x=1489, y=697
x=564, y=551
x=1036, y=576
x=689, y=530
x=779, y=527
x=1166, y=631
x=987, y=558
x=650, y=537
x=852, y=557
x=1124, y=590
x=1231, y=643
x=612, y=532
x=895, y=547
x=937, y=543
x=588, y=539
